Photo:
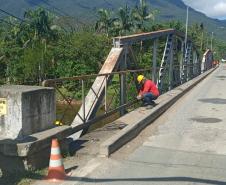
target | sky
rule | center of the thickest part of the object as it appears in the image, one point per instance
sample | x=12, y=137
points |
x=212, y=8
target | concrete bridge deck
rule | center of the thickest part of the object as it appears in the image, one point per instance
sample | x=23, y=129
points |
x=188, y=145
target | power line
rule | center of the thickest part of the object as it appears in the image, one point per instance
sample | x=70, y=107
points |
x=62, y=12
x=23, y=20
x=54, y=7
x=49, y=10
x=56, y=10
x=45, y=8
x=8, y=13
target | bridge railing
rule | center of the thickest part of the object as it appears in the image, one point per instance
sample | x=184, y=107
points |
x=71, y=93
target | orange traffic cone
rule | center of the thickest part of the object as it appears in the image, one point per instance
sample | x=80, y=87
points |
x=56, y=170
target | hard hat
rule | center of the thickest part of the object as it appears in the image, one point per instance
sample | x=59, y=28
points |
x=58, y=123
x=140, y=78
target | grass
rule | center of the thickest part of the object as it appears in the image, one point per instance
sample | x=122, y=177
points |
x=22, y=178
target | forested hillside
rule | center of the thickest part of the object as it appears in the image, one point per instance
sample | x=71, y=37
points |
x=42, y=44
x=86, y=10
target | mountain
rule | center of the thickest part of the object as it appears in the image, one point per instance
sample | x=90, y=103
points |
x=85, y=10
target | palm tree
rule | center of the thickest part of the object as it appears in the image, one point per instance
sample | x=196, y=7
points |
x=123, y=23
x=40, y=21
x=141, y=14
x=105, y=22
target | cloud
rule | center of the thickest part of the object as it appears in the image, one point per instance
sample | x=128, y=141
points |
x=219, y=9
x=214, y=9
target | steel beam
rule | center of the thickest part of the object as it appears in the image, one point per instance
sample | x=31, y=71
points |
x=195, y=64
x=176, y=64
x=182, y=63
x=123, y=66
x=128, y=40
x=165, y=62
x=132, y=58
x=154, y=61
x=171, y=65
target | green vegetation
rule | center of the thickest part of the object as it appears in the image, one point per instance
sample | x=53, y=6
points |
x=37, y=49
x=86, y=10
x=22, y=178
x=44, y=45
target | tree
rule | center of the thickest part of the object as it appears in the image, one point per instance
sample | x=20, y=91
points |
x=105, y=21
x=195, y=33
x=123, y=23
x=81, y=53
x=177, y=25
x=142, y=14
x=25, y=47
x=40, y=22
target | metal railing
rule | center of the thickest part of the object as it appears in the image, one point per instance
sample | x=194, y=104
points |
x=71, y=94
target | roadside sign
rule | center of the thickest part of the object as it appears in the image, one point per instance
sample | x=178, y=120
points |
x=3, y=106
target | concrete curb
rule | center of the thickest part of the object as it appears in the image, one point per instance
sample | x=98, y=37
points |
x=138, y=119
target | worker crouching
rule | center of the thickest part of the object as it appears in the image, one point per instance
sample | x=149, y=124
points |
x=148, y=91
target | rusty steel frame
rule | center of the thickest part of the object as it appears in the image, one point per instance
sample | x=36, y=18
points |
x=52, y=82
x=129, y=40
x=126, y=57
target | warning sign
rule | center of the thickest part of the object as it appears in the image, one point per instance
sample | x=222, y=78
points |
x=3, y=106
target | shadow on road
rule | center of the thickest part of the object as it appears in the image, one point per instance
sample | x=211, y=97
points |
x=76, y=146
x=85, y=180
x=213, y=100
x=206, y=120
x=221, y=76
x=157, y=179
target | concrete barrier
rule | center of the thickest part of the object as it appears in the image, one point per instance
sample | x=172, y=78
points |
x=138, y=119
x=25, y=110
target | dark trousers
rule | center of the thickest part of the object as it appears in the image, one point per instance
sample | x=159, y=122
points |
x=148, y=98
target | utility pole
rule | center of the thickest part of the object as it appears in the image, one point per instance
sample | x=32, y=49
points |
x=212, y=42
x=186, y=34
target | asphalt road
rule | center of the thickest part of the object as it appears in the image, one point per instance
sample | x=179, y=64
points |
x=188, y=147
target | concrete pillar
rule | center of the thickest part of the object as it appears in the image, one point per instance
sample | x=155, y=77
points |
x=25, y=110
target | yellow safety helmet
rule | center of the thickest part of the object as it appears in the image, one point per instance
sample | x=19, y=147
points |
x=59, y=123
x=140, y=78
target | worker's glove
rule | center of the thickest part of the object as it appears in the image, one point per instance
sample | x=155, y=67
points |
x=139, y=97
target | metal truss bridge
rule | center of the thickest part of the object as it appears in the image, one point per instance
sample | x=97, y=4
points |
x=112, y=93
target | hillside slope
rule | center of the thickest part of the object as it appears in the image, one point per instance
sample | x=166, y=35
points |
x=86, y=10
